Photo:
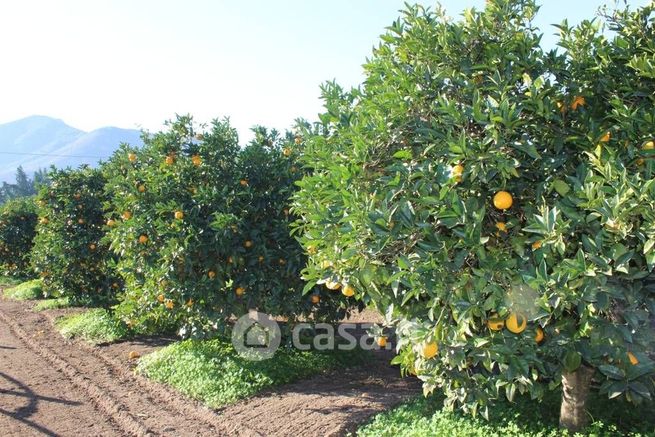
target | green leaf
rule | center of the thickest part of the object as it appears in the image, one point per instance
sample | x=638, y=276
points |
x=561, y=187
x=572, y=360
x=612, y=372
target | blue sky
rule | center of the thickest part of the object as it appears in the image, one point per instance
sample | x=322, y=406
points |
x=136, y=63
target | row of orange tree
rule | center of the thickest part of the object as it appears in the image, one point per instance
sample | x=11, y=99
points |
x=186, y=231
x=69, y=253
x=200, y=227
x=18, y=220
x=497, y=202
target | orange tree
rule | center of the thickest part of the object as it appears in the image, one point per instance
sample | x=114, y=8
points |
x=497, y=203
x=18, y=219
x=68, y=250
x=202, y=229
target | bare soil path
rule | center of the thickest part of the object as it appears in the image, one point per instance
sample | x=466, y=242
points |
x=51, y=386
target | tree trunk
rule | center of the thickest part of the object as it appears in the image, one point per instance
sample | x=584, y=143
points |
x=575, y=390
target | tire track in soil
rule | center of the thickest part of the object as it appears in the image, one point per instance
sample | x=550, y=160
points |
x=331, y=404
x=46, y=405
x=114, y=391
x=165, y=395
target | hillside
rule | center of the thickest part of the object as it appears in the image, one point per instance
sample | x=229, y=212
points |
x=38, y=141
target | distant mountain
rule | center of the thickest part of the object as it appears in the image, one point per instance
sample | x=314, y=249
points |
x=38, y=141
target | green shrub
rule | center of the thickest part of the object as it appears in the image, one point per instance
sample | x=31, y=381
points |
x=202, y=229
x=18, y=220
x=497, y=202
x=214, y=373
x=29, y=290
x=69, y=253
x=94, y=326
x=53, y=304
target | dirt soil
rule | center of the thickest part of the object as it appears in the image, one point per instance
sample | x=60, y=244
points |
x=52, y=386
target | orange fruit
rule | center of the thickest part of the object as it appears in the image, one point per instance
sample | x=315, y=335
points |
x=650, y=145
x=131, y=157
x=331, y=285
x=44, y=220
x=577, y=102
x=211, y=274
x=381, y=341
x=503, y=200
x=605, y=138
x=633, y=360
x=316, y=299
x=170, y=160
x=239, y=291
x=92, y=246
x=196, y=160
x=516, y=323
x=143, y=239
x=325, y=264
x=286, y=151
x=179, y=215
x=501, y=226
x=539, y=335
x=429, y=350
x=348, y=291
x=160, y=298
x=133, y=355
x=247, y=244
x=141, y=188
x=457, y=172
x=536, y=245
x=127, y=215
x=495, y=323
x=244, y=182
x=111, y=222
x=80, y=221
x=298, y=140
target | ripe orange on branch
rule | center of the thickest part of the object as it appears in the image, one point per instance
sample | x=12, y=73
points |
x=503, y=200
x=495, y=323
x=348, y=290
x=429, y=350
x=516, y=323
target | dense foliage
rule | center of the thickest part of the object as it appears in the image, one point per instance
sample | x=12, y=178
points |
x=18, y=220
x=202, y=229
x=69, y=254
x=496, y=201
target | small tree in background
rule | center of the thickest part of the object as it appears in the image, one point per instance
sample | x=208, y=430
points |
x=18, y=220
x=202, y=229
x=69, y=253
x=497, y=202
